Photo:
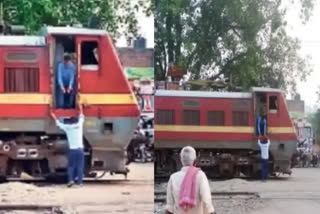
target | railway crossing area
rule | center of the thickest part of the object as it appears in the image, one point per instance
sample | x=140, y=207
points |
x=296, y=194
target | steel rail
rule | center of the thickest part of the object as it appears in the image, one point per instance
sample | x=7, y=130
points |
x=216, y=195
x=52, y=209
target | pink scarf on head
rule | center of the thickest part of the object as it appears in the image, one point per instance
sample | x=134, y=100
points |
x=187, y=194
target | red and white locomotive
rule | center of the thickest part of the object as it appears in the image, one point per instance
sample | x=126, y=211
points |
x=29, y=139
x=222, y=128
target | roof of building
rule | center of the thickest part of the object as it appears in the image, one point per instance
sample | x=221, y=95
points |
x=22, y=41
x=67, y=30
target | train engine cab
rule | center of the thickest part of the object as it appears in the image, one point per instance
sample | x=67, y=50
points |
x=30, y=142
x=223, y=128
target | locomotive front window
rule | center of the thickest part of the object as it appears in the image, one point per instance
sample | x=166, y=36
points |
x=216, y=118
x=89, y=56
x=191, y=117
x=273, y=104
x=165, y=117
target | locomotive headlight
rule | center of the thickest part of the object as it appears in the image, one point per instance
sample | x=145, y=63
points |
x=88, y=123
x=6, y=147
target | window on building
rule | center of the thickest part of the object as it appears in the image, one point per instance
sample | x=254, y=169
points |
x=165, y=117
x=21, y=79
x=216, y=118
x=240, y=118
x=191, y=117
x=273, y=104
x=89, y=55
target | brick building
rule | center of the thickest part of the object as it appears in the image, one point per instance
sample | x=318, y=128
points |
x=296, y=105
x=137, y=62
x=134, y=57
x=137, y=56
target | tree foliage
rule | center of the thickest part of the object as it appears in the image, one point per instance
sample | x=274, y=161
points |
x=113, y=15
x=242, y=40
x=314, y=119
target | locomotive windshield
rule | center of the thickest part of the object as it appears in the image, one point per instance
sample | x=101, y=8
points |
x=273, y=105
x=89, y=55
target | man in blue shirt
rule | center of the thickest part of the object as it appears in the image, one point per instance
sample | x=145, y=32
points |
x=261, y=123
x=66, y=76
x=73, y=127
x=261, y=126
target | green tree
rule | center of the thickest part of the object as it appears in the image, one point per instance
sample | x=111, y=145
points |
x=314, y=119
x=245, y=41
x=110, y=15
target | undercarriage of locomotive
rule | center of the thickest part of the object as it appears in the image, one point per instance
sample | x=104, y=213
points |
x=32, y=156
x=221, y=163
x=41, y=156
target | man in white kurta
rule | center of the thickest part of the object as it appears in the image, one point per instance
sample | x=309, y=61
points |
x=203, y=192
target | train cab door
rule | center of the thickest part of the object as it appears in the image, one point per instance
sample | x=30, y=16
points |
x=273, y=111
x=89, y=67
x=63, y=45
x=260, y=108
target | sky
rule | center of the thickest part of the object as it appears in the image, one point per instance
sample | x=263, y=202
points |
x=146, y=30
x=309, y=34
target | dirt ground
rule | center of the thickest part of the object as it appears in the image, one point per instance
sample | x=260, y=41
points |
x=296, y=194
x=115, y=195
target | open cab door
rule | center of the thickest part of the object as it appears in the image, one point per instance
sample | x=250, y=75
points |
x=59, y=46
x=273, y=111
x=260, y=108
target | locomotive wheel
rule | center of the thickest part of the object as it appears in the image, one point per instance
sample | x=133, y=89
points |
x=256, y=174
x=3, y=179
x=276, y=174
x=172, y=167
x=248, y=171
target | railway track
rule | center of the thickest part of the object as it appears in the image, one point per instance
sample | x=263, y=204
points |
x=43, y=209
x=86, y=181
x=165, y=179
x=160, y=196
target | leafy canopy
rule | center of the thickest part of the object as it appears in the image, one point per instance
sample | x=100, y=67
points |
x=110, y=15
x=314, y=119
x=243, y=41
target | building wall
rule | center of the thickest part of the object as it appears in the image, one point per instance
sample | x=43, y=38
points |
x=139, y=58
x=296, y=106
x=132, y=57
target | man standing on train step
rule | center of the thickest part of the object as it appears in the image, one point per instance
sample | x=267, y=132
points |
x=66, y=75
x=262, y=123
x=73, y=127
x=264, y=144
